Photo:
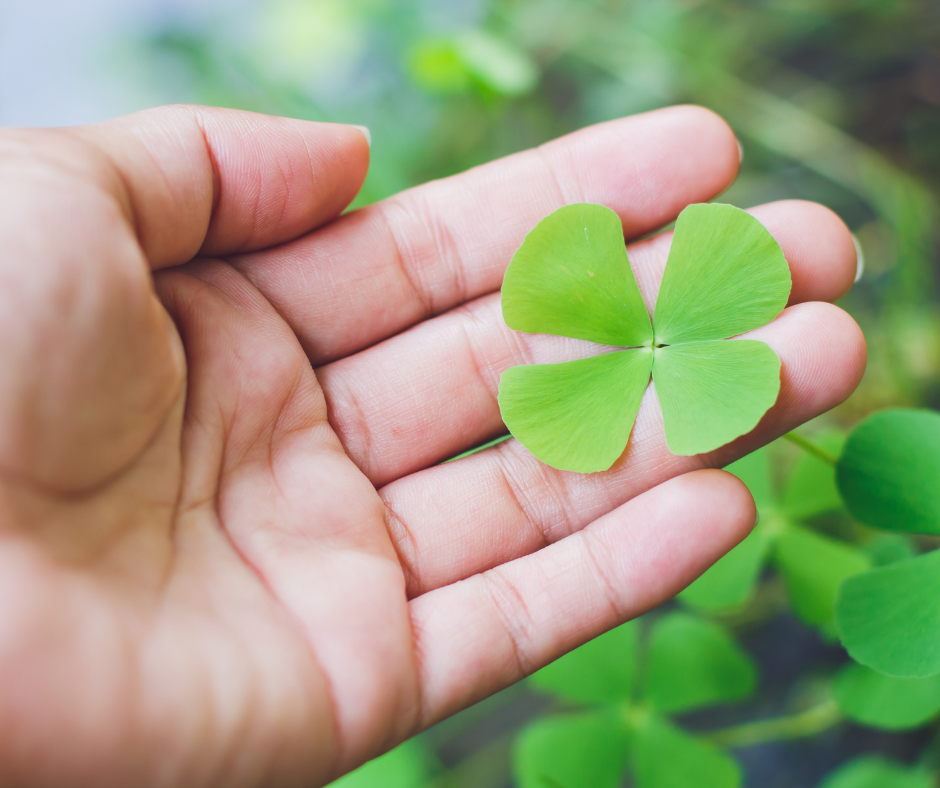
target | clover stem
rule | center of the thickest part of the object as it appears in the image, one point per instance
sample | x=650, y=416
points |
x=811, y=448
x=796, y=726
x=486, y=445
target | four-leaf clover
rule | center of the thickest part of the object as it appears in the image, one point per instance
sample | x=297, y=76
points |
x=725, y=275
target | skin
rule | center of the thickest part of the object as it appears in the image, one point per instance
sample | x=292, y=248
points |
x=228, y=555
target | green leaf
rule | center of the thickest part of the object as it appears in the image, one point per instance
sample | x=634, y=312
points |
x=573, y=751
x=725, y=275
x=576, y=416
x=810, y=488
x=498, y=64
x=754, y=470
x=600, y=671
x=407, y=766
x=694, y=663
x=889, y=618
x=873, y=772
x=880, y=701
x=812, y=567
x=887, y=549
x=667, y=757
x=713, y=392
x=451, y=65
x=889, y=471
x=571, y=277
x=730, y=582
x=437, y=67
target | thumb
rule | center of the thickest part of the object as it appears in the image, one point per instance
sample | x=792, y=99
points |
x=90, y=363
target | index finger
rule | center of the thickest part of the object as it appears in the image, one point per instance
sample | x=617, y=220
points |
x=381, y=269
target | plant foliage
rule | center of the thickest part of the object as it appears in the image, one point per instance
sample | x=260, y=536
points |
x=688, y=663
x=725, y=275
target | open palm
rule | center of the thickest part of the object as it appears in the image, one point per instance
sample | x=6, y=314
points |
x=228, y=552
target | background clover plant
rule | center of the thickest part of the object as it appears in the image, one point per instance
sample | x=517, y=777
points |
x=811, y=564
x=616, y=707
x=816, y=568
x=874, y=772
x=889, y=476
x=621, y=691
x=725, y=275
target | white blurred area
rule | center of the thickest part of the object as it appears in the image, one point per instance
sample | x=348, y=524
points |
x=65, y=62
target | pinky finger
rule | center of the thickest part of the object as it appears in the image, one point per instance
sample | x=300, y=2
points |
x=481, y=634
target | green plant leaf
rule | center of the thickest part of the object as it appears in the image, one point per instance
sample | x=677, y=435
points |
x=725, y=275
x=576, y=416
x=451, y=65
x=407, y=766
x=730, y=582
x=694, y=663
x=810, y=488
x=873, y=772
x=600, y=671
x=889, y=471
x=437, y=67
x=813, y=566
x=889, y=618
x=498, y=64
x=571, y=277
x=713, y=392
x=664, y=756
x=754, y=470
x=887, y=549
x=573, y=751
x=880, y=701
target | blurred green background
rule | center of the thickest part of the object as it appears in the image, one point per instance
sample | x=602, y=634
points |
x=834, y=100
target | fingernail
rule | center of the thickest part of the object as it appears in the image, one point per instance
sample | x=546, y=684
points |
x=859, y=258
x=757, y=519
x=365, y=133
x=740, y=150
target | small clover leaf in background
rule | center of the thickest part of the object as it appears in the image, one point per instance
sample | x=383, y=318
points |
x=571, y=750
x=600, y=671
x=664, y=756
x=731, y=581
x=889, y=476
x=688, y=663
x=887, y=549
x=725, y=275
x=889, y=471
x=811, y=564
x=694, y=663
x=886, y=702
x=478, y=58
x=410, y=765
x=889, y=618
x=813, y=567
x=873, y=772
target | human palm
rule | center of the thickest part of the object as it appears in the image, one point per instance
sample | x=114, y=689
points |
x=228, y=552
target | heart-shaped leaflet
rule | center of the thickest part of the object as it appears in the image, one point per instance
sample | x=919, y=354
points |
x=725, y=275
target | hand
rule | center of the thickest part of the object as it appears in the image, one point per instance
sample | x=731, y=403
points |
x=219, y=566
